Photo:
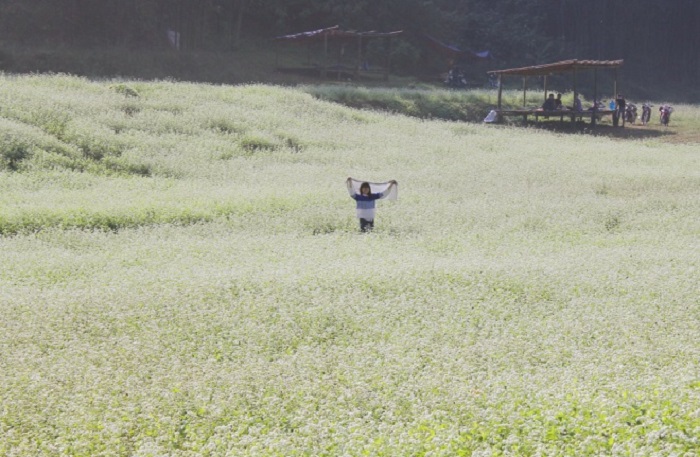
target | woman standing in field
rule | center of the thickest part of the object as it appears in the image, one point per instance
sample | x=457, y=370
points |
x=366, y=199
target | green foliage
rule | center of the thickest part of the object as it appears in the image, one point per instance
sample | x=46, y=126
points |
x=256, y=143
x=422, y=103
x=13, y=153
x=125, y=90
x=226, y=126
x=23, y=146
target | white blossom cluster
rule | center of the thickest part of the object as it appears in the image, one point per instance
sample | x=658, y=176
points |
x=529, y=294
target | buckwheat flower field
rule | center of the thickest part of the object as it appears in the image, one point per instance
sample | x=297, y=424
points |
x=182, y=274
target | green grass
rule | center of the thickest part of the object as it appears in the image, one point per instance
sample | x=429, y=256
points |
x=182, y=274
x=422, y=102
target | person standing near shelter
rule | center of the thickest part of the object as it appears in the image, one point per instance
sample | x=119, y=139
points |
x=620, y=104
x=366, y=200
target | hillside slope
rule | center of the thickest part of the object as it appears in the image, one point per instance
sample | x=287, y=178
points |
x=183, y=274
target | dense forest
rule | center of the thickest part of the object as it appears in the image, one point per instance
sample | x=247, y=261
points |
x=659, y=39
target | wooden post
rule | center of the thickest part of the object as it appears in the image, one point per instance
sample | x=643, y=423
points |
x=524, y=96
x=359, y=57
x=387, y=60
x=339, y=61
x=573, y=117
x=595, y=97
x=545, y=87
x=325, y=56
x=500, y=90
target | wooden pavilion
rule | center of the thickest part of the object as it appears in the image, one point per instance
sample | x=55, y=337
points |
x=566, y=66
x=345, y=38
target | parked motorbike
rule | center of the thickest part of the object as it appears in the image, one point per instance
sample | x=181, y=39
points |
x=646, y=113
x=665, y=114
x=630, y=113
x=456, y=79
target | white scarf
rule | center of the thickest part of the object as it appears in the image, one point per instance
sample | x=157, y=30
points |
x=375, y=188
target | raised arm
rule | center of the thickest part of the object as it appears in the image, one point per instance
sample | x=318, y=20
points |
x=351, y=191
x=386, y=192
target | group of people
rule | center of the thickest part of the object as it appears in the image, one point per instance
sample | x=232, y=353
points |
x=622, y=111
x=555, y=104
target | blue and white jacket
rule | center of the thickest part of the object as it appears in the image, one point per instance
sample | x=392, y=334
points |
x=366, y=205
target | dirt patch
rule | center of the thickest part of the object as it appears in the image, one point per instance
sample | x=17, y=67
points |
x=628, y=132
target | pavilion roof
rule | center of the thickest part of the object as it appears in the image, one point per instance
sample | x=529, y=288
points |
x=559, y=67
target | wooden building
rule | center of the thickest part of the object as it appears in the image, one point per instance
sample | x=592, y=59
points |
x=350, y=46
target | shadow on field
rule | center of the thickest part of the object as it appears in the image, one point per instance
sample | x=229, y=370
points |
x=633, y=132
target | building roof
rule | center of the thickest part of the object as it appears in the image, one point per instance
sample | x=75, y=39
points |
x=453, y=52
x=333, y=33
x=559, y=67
